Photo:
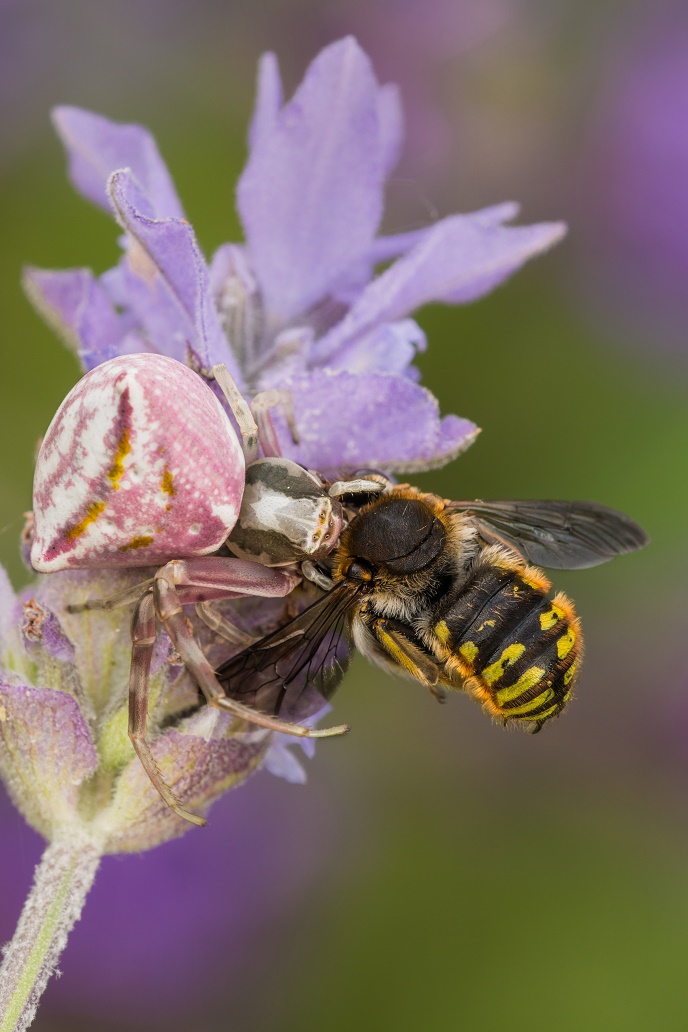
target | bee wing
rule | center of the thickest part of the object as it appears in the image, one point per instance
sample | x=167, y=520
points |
x=291, y=671
x=560, y=535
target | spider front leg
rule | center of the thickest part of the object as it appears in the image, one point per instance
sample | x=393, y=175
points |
x=197, y=581
x=255, y=422
x=260, y=407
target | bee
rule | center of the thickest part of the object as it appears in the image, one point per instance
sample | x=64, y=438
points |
x=443, y=592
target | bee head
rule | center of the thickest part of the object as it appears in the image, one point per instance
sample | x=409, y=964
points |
x=400, y=535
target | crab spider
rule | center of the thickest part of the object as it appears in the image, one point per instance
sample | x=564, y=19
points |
x=127, y=477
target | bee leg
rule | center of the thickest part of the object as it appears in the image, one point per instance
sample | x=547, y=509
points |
x=416, y=662
x=222, y=626
x=143, y=640
x=437, y=693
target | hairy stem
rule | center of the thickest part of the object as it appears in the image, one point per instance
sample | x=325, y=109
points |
x=61, y=883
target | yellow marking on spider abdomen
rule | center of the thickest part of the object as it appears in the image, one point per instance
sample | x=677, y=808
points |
x=566, y=643
x=116, y=471
x=167, y=483
x=469, y=651
x=442, y=631
x=531, y=704
x=137, y=542
x=550, y=617
x=526, y=681
x=93, y=511
x=510, y=654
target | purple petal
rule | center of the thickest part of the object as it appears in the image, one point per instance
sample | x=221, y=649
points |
x=269, y=100
x=75, y=304
x=46, y=753
x=385, y=248
x=203, y=933
x=168, y=261
x=310, y=198
x=98, y=147
x=460, y=259
x=229, y=262
x=41, y=628
x=391, y=114
x=237, y=300
x=282, y=763
x=146, y=301
x=385, y=422
x=390, y=348
x=197, y=763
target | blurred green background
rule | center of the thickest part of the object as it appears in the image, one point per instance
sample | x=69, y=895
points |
x=487, y=879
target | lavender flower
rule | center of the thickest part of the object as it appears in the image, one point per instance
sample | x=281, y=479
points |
x=298, y=306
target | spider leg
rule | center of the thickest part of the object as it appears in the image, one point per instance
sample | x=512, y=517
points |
x=359, y=486
x=122, y=598
x=240, y=410
x=260, y=407
x=313, y=574
x=225, y=628
x=168, y=605
x=143, y=640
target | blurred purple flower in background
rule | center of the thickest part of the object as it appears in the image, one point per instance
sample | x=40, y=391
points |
x=300, y=305
x=411, y=43
x=633, y=203
x=164, y=930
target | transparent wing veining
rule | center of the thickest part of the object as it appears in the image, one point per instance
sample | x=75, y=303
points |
x=292, y=671
x=560, y=535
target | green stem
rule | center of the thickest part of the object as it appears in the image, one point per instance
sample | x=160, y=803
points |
x=61, y=883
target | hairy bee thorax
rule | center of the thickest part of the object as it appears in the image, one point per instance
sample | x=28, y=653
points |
x=404, y=543
x=407, y=552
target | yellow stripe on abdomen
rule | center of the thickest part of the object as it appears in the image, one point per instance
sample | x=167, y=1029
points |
x=531, y=704
x=495, y=670
x=525, y=682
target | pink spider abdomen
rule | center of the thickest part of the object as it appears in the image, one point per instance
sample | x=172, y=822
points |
x=140, y=465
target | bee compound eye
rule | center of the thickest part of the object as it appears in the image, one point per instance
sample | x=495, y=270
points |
x=359, y=571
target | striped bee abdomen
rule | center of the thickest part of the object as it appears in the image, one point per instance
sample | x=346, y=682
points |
x=516, y=650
